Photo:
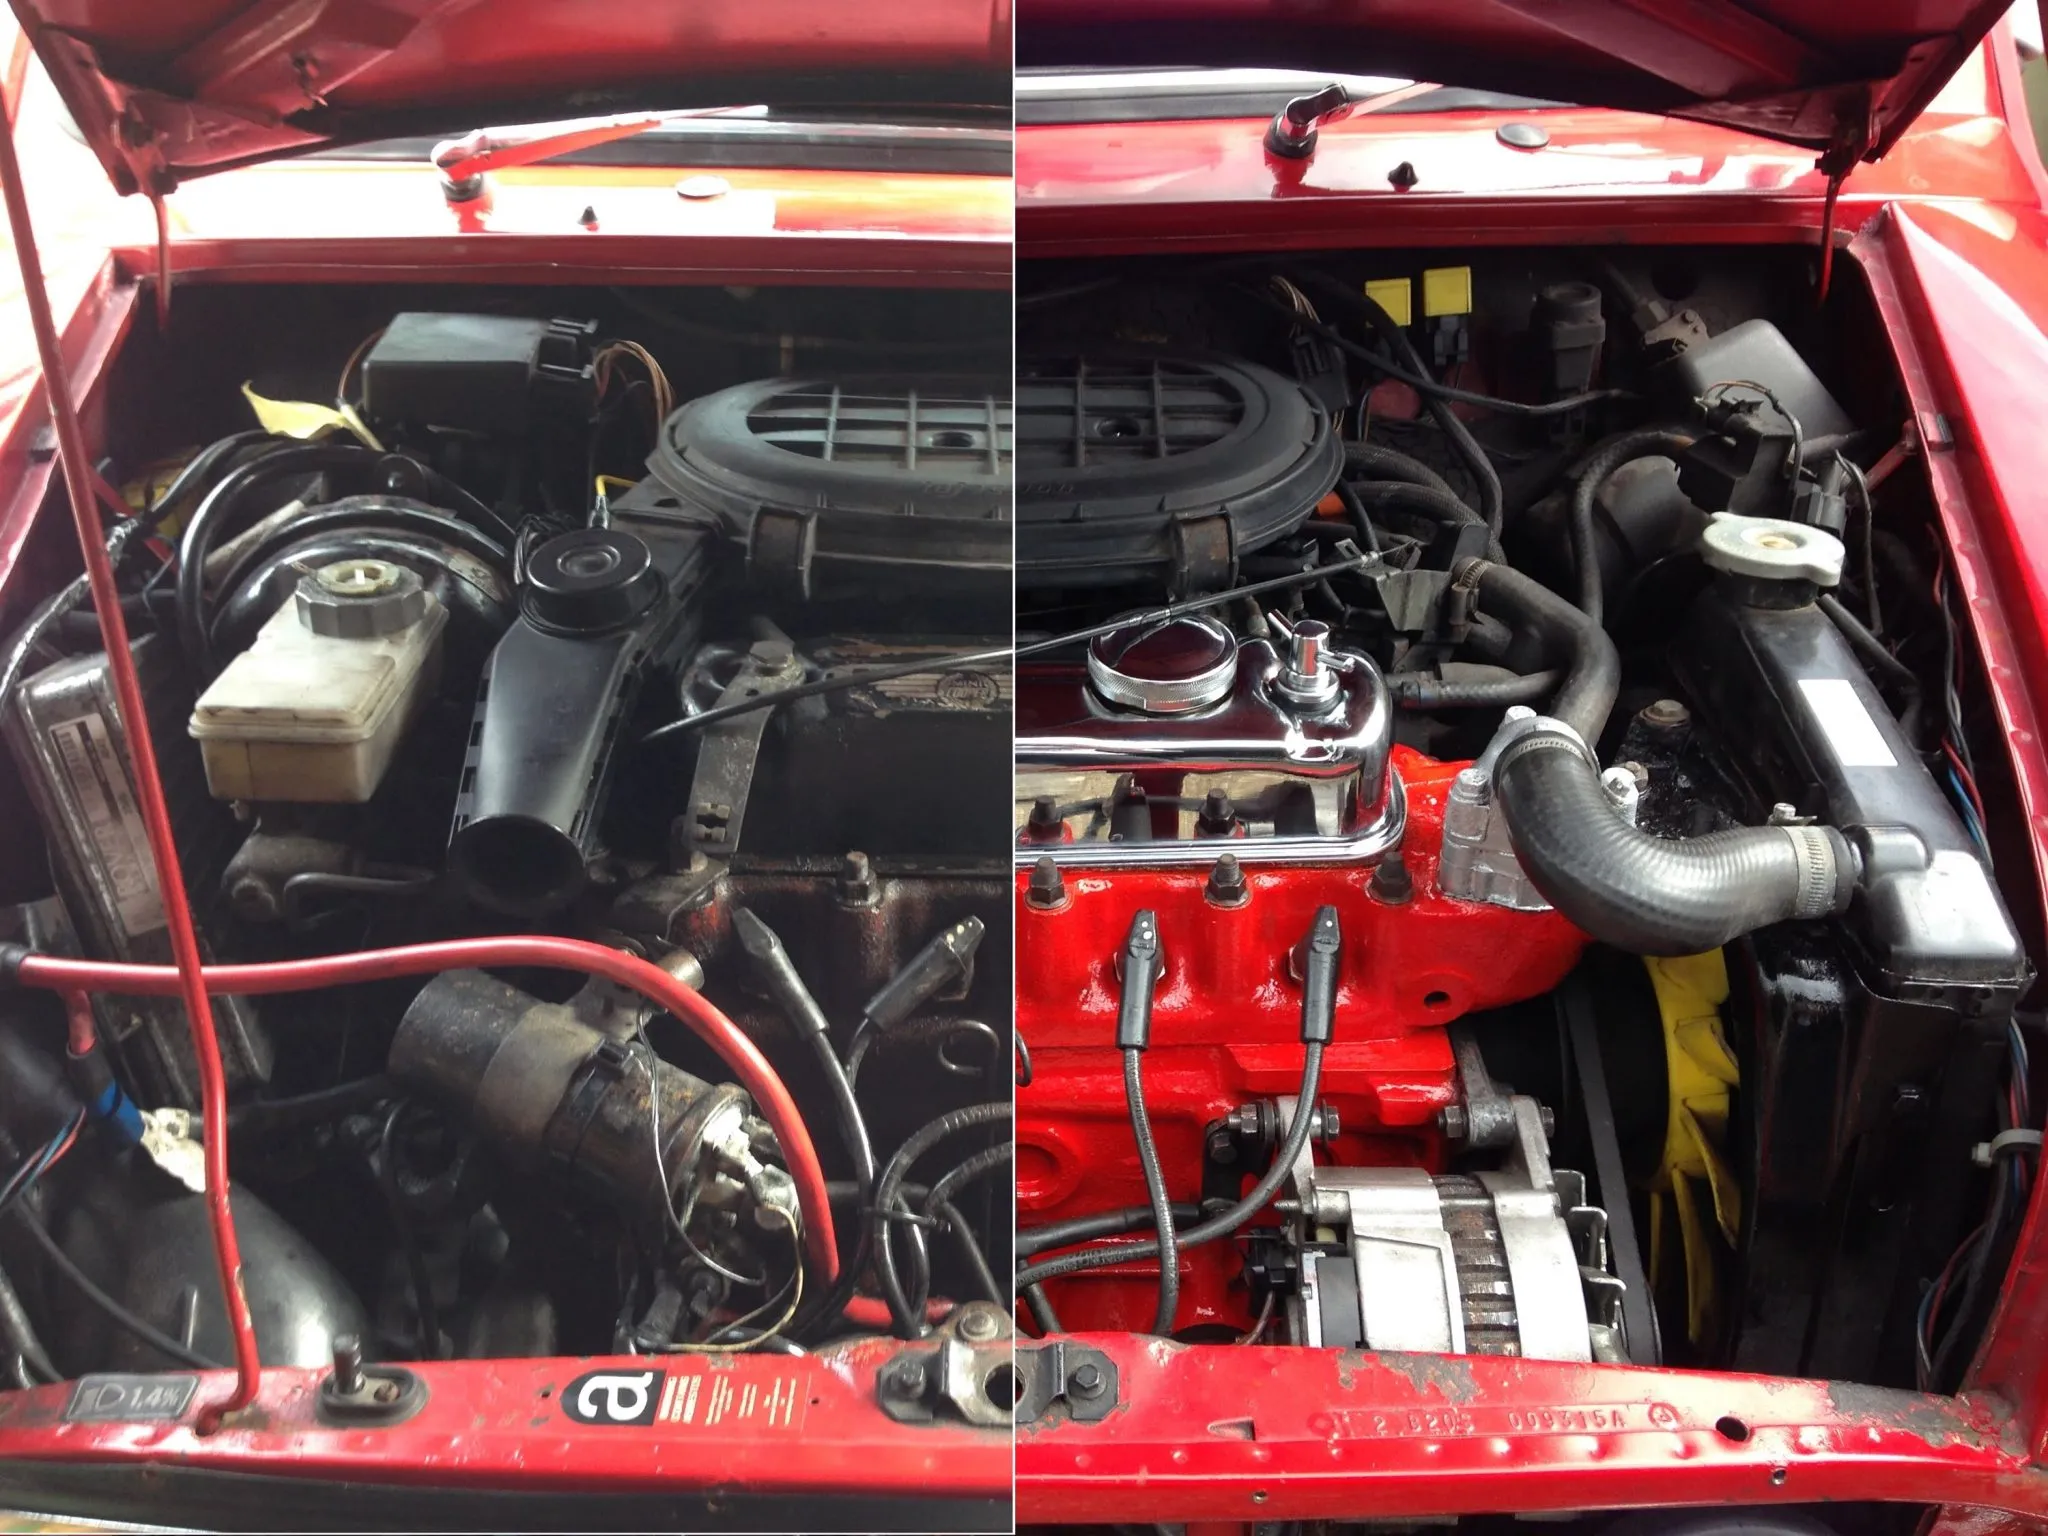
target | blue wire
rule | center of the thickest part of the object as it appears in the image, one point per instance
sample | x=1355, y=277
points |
x=1969, y=811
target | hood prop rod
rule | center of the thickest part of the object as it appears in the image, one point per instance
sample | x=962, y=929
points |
x=149, y=792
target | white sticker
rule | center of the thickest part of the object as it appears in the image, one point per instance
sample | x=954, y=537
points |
x=99, y=784
x=1846, y=722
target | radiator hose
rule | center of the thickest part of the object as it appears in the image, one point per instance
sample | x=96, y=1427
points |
x=1640, y=893
x=1652, y=895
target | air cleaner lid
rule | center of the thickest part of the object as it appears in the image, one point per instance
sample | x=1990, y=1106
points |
x=1134, y=469
x=846, y=479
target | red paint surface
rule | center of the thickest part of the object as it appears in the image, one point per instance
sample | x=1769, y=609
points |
x=500, y=1424
x=1262, y=1433
x=1226, y=1031
x=228, y=83
x=1805, y=70
x=1146, y=188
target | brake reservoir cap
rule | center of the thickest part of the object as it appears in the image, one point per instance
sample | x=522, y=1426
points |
x=1170, y=668
x=1771, y=549
x=360, y=599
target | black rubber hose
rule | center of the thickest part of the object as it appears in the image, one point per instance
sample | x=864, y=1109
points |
x=1492, y=506
x=1373, y=461
x=480, y=534
x=1883, y=662
x=890, y=1184
x=1155, y=1187
x=1651, y=895
x=1569, y=640
x=1438, y=506
x=1647, y=443
x=218, y=508
x=371, y=514
x=1348, y=494
x=1421, y=691
x=203, y=466
x=1225, y=1223
x=1081, y=1229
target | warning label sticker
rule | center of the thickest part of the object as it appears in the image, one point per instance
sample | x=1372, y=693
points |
x=99, y=786
x=701, y=1398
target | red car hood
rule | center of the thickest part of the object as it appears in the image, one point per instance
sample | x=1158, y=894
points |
x=1826, y=73
x=169, y=89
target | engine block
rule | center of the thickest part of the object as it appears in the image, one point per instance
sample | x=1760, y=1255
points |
x=1225, y=1029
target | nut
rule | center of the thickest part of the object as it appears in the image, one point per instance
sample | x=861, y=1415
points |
x=978, y=1324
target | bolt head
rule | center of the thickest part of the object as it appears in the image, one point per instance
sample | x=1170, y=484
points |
x=1085, y=1379
x=907, y=1378
x=978, y=1324
x=1452, y=1122
x=1048, y=889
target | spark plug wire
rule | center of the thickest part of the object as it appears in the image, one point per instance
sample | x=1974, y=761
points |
x=184, y=979
x=749, y=1066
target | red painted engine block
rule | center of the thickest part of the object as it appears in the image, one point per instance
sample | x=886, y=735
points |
x=1225, y=1031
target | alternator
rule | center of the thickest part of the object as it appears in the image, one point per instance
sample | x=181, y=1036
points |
x=1506, y=1262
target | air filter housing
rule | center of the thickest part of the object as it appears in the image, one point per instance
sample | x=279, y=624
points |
x=1149, y=469
x=844, y=482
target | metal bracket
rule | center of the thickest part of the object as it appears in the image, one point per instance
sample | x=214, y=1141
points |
x=968, y=1374
x=725, y=761
x=1084, y=1379
x=1478, y=860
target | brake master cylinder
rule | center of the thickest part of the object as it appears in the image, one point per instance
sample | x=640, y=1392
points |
x=314, y=709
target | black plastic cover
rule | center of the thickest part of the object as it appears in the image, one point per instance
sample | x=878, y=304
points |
x=841, y=482
x=494, y=374
x=544, y=741
x=1787, y=692
x=1164, y=469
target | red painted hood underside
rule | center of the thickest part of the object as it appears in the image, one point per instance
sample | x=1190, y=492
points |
x=168, y=89
x=1848, y=73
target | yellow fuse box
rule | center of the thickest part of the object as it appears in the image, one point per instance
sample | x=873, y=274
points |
x=1396, y=295
x=1446, y=291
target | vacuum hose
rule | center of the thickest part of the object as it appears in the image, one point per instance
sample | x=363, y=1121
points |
x=1652, y=895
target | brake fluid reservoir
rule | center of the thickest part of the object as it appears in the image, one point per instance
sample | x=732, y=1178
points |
x=313, y=710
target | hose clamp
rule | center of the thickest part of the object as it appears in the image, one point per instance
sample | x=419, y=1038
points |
x=1820, y=884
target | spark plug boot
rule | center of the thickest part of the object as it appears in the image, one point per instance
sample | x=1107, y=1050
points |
x=1141, y=967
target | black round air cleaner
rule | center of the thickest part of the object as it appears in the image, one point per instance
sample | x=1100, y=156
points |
x=838, y=482
x=1133, y=469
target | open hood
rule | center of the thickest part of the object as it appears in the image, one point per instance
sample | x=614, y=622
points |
x=1845, y=76
x=168, y=89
